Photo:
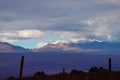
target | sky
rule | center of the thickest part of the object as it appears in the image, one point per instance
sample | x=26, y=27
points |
x=34, y=23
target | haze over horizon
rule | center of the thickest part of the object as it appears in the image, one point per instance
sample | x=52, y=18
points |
x=34, y=23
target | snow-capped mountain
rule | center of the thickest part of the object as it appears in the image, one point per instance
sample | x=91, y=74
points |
x=60, y=47
x=64, y=47
x=79, y=46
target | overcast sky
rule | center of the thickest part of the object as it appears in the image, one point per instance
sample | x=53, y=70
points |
x=31, y=23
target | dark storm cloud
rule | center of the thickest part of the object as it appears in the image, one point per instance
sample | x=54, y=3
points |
x=55, y=8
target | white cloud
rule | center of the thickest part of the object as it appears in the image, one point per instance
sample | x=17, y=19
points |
x=30, y=34
x=5, y=39
x=13, y=36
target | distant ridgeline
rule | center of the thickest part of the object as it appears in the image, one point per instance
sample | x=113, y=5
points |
x=64, y=47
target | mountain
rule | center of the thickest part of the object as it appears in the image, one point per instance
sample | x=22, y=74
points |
x=60, y=47
x=79, y=47
x=64, y=47
x=101, y=46
x=6, y=47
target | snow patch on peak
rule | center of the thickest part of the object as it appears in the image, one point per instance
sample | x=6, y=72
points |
x=59, y=41
x=41, y=44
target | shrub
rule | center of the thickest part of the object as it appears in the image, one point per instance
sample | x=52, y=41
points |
x=39, y=73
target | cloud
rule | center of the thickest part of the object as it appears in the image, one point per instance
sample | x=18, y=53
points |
x=69, y=19
x=30, y=34
x=5, y=39
x=29, y=9
x=20, y=35
x=98, y=28
x=114, y=1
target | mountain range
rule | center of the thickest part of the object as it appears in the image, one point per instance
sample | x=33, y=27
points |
x=60, y=47
x=6, y=47
x=64, y=47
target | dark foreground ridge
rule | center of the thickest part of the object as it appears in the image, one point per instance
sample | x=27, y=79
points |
x=74, y=75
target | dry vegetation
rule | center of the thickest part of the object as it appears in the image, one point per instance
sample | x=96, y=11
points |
x=75, y=75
